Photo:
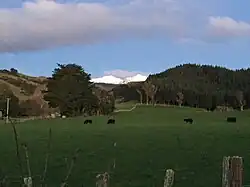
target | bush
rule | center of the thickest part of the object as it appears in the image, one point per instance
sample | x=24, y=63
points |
x=13, y=71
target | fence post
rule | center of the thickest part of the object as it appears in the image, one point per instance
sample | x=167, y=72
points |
x=236, y=167
x=226, y=171
x=169, y=178
x=232, y=171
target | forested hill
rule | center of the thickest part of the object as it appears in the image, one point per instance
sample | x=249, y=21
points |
x=198, y=85
x=205, y=78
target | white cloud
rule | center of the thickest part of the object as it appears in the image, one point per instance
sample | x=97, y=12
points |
x=45, y=24
x=123, y=73
x=228, y=27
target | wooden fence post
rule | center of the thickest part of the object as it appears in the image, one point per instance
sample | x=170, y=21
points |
x=236, y=167
x=232, y=171
x=226, y=171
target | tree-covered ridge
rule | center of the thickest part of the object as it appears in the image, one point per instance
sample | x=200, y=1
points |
x=195, y=85
x=211, y=77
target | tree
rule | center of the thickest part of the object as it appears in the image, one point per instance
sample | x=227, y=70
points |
x=69, y=89
x=240, y=99
x=92, y=107
x=99, y=96
x=150, y=90
x=138, y=88
x=179, y=98
x=105, y=101
x=146, y=87
x=163, y=88
x=139, y=91
x=108, y=103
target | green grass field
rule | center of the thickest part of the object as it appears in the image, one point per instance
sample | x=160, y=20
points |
x=149, y=140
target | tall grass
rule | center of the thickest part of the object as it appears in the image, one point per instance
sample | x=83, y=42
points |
x=102, y=180
x=26, y=180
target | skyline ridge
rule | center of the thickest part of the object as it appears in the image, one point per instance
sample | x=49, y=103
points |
x=133, y=76
x=123, y=74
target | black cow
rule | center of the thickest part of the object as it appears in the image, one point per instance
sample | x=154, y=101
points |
x=111, y=121
x=88, y=121
x=188, y=120
x=231, y=119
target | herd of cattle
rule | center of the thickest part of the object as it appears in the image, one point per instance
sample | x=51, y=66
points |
x=89, y=121
x=229, y=120
x=186, y=120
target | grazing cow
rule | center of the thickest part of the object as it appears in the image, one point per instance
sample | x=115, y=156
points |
x=188, y=120
x=231, y=119
x=88, y=121
x=111, y=121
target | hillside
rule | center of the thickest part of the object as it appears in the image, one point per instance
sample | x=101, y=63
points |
x=22, y=86
x=26, y=87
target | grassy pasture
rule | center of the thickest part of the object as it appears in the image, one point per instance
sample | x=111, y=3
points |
x=125, y=105
x=149, y=140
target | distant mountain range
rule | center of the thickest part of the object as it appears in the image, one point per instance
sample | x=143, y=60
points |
x=110, y=79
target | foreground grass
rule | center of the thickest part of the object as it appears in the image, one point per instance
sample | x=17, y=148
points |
x=149, y=140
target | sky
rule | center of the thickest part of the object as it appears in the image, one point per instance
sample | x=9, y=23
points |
x=123, y=37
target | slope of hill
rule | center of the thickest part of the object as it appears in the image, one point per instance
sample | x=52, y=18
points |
x=26, y=87
x=22, y=86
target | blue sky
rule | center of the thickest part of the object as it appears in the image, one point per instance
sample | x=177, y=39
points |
x=145, y=36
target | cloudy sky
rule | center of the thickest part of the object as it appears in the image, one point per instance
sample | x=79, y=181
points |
x=123, y=37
